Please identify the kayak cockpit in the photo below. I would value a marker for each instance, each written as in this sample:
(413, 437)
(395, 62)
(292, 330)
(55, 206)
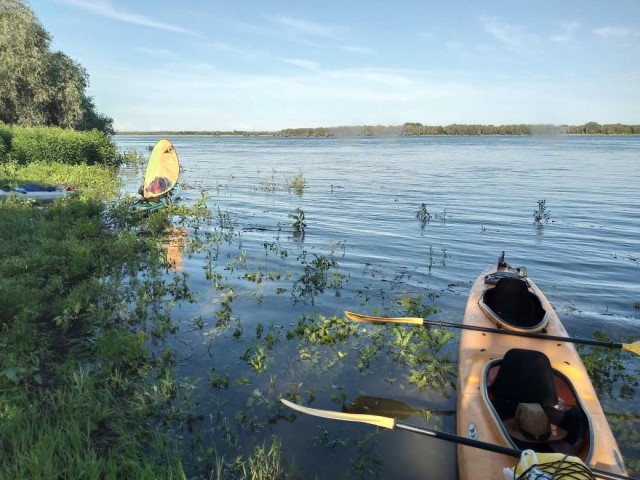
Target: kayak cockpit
(536, 407)
(512, 304)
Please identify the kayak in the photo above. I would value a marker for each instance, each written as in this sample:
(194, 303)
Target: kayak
(160, 187)
(144, 207)
(524, 393)
(37, 193)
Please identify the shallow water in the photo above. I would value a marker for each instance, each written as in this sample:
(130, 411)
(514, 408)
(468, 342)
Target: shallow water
(360, 202)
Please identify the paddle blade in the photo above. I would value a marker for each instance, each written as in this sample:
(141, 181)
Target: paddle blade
(347, 417)
(632, 347)
(356, 317)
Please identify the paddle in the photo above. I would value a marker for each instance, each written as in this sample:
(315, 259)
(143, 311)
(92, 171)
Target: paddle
(386, 407)
(630, 347)
(392, 423)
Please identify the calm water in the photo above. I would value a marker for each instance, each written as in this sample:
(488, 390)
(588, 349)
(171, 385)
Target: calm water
(360, 203)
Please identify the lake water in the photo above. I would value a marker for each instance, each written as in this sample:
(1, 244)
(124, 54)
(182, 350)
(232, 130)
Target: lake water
(253, 278)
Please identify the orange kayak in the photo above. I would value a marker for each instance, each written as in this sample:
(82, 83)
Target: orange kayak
(520, 392)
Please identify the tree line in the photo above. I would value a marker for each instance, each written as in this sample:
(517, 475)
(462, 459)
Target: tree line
(418, 129)
(38, 86)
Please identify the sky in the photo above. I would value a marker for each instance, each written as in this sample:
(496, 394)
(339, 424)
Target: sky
(268, 65)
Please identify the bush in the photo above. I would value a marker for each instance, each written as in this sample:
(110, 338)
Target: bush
(5, 139)
(57, 145)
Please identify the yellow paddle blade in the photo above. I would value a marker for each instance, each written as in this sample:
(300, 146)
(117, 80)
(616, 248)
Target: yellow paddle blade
(632, 347)
(347, 417)
(356, 317)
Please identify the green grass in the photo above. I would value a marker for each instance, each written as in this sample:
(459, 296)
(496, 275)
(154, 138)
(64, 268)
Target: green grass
(80, 394)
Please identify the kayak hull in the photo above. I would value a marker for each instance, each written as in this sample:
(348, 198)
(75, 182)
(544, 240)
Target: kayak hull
(38, 196)
(474, 412)
(145, 207)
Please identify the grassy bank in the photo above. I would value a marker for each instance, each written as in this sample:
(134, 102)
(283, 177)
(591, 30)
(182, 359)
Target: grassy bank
(81, 393)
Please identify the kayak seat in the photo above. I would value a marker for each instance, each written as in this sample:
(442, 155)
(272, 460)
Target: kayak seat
(526, 376)
(514, 304)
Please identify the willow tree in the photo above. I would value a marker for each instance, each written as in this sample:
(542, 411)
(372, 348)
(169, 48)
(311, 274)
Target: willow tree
(39, 86)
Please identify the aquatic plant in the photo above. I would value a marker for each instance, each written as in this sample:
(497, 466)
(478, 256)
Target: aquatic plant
(296, 183)
(542, 214)
(298, 225)
(423, 215)
(315, 279)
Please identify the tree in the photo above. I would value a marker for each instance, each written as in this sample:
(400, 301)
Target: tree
(38, 86)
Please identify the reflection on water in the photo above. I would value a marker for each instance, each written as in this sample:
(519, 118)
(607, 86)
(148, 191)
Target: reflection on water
(271, 271)
(173, 243)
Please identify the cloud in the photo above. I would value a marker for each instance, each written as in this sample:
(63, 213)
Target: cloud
(157, 52)
(354, 49)
(616, 32)
(305, 27)
(306, 64)
(509, 35)
(105, 9)
(566, 35)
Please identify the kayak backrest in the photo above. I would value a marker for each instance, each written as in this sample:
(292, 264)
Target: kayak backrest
(525, 376)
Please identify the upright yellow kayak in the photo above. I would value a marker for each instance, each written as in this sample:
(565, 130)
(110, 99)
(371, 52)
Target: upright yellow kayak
(524, 393)
(162, 171)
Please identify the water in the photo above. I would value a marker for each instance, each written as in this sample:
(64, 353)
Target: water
(360, 203)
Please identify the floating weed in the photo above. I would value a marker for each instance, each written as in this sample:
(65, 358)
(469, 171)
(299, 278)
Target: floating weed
(320, 330)
(297, 183)
(315, 279)
(293, 393)
(298, 224)
(218, 381)
(607, 370)
(269, 185)
(323, 438)
(423, 216)
(542, 214)
(415, 306)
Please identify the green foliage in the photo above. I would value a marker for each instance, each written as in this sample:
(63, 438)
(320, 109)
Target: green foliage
(542, 214)
(607, 370)
(320, 330)
(40, 86)
(297, 183)
(423, 215)
(298, 225)
(316, 279)
(52, 144)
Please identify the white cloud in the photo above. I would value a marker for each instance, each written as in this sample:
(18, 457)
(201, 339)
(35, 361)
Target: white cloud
(568, 30)
(105, 9)
(306, 64)
(304, 27)
(509, 35)
(157, 52)
(616, 32)
(354, 49)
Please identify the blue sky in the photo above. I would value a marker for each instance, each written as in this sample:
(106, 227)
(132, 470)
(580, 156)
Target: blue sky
(241, 65)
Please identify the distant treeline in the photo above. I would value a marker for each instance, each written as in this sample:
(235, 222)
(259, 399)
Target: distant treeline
(214, 133)
(418, 129)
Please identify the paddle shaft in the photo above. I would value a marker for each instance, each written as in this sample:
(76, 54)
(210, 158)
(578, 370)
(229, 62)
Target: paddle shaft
(512, 452)
(541, 336)
(356, 317)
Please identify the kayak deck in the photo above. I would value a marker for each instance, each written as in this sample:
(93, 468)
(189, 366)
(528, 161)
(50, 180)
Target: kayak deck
(477, 417)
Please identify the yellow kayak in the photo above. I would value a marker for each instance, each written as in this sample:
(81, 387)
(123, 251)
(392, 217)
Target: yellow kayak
(524, 393)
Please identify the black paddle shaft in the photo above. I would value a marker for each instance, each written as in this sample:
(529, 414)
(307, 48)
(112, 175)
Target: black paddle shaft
(512, 452)
(541, 336)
